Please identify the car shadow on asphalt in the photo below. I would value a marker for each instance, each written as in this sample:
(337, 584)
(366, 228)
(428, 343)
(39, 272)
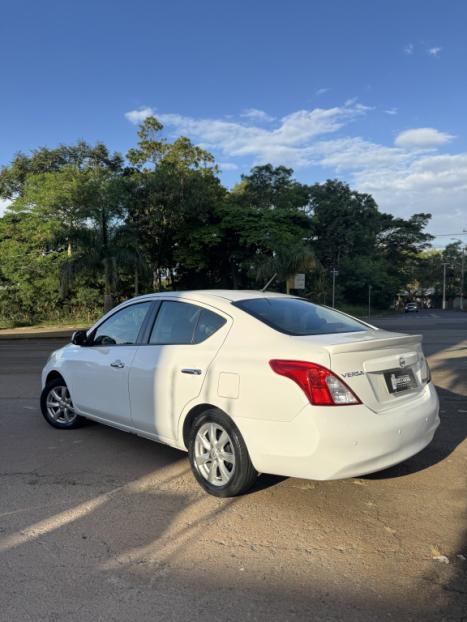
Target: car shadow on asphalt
(265, 481)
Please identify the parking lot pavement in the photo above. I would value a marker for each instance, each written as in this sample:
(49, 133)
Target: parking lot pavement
(96, 524)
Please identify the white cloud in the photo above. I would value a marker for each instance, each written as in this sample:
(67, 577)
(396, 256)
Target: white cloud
(409, 49)
(322, 91)
(392, 111)
(256, 115)
(422, 138)
(285, 144)
(431, 183)
(138, 116)
(402, 181)
(357, 154)
(404, 178)
(228, 166)
(434, 51)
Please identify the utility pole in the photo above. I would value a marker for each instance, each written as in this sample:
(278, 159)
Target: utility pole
(462, 279)
(369, 301)
(444, 285)
(461, 288)
(334, 273)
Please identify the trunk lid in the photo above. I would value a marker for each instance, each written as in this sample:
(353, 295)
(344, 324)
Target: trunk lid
(383, 368)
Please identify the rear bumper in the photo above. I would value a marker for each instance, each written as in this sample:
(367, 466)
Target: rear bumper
(325, 443)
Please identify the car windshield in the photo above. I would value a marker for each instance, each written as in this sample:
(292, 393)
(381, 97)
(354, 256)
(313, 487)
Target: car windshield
(296, 316)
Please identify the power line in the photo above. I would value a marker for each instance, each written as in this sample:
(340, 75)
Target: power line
(447, 235)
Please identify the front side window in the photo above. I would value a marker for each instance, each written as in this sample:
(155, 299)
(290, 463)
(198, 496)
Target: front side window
(123, 327)
(184, 323)
(296, 316)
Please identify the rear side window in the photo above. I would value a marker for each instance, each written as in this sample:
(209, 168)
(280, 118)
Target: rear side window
(208, 324)
(184, 323)
(296, 316)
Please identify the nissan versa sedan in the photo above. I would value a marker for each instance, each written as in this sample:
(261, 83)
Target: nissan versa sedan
(248, 382)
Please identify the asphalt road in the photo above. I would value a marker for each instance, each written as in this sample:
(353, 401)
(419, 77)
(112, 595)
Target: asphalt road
(96, 524)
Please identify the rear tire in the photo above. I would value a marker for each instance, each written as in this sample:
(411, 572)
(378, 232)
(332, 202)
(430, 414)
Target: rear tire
(57, 407)
(218, 455)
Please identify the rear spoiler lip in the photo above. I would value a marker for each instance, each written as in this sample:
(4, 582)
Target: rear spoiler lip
(374, 344)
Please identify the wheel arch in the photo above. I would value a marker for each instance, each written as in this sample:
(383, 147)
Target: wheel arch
(54, 375)
(191, 416)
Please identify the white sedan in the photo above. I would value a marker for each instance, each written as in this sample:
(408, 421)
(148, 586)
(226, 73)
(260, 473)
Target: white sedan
(248, 382)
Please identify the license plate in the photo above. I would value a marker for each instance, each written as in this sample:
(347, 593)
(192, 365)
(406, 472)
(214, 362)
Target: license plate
(400, 380)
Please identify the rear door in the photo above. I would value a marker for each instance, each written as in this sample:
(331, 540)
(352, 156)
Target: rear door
(169, 371)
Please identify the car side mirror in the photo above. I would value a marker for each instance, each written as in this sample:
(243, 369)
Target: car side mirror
(79, 338)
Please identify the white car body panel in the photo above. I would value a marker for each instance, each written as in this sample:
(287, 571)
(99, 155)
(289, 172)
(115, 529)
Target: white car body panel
(325, 443)
(97, 388)
(160, 389)
(284, 433)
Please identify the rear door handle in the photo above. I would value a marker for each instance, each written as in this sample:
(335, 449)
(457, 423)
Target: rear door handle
(193, 372)
(118, 363)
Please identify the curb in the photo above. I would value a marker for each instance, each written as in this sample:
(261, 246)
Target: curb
(37, 334)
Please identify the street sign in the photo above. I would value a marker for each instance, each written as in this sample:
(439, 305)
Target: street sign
(299, 281)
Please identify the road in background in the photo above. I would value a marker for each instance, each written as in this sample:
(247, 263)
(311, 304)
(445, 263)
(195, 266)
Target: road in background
(96, 524)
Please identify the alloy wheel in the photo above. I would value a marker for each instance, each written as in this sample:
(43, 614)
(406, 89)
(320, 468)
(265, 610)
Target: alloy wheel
(213, 454)
(59, 405)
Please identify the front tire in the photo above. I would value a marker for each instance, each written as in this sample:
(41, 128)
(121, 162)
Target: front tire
(219, 457)
(57, 407)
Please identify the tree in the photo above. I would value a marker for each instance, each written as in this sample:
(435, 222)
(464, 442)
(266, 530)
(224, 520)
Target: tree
(164, 196)
(367, 246)
(58, 196)
(29, 270)
(285, 262)
(265, 214)
(83, 225)
(344, 222)
(76, 189)
(14, 177)
(99, 252)
(400, 242)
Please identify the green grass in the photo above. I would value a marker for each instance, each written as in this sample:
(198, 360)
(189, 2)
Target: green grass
(62, 323)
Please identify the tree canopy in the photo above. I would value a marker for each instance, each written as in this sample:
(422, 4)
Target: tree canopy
(86, 228)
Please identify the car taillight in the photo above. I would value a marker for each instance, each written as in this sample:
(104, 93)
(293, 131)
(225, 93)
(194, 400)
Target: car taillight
(321, 386)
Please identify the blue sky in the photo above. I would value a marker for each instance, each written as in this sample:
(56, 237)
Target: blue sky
(373, 92)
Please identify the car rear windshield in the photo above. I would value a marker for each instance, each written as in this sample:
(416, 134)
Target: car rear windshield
(296, 316)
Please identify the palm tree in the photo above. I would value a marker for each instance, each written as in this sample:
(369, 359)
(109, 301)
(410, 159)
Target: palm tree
(285, 262)
(99, 248)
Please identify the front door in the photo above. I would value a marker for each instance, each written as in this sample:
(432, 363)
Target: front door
(169, 371)
(98, 373)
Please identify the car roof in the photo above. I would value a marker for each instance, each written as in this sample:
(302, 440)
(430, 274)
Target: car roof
(230, 295)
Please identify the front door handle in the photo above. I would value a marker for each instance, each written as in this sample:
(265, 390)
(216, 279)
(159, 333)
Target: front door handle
(193, 372)
(118, 363)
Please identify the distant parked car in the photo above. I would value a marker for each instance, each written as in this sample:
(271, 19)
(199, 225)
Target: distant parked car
(248, 382)
(411, 307)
